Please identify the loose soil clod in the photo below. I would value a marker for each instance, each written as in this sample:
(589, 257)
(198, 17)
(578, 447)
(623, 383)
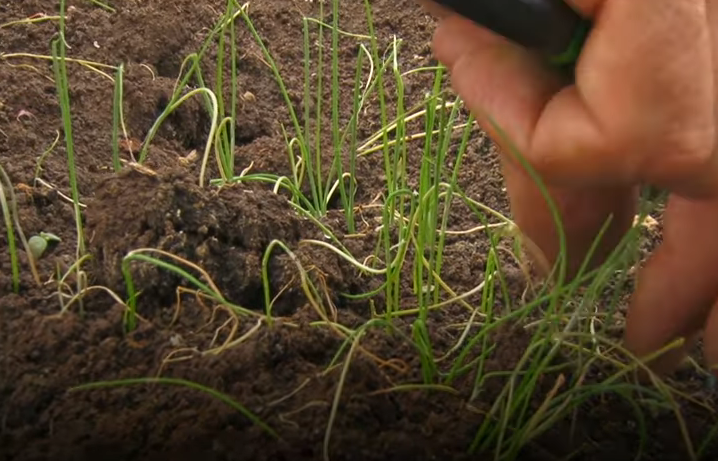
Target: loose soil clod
(225, 231)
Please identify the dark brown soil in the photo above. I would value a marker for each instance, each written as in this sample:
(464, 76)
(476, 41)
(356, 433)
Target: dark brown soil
(286, 373)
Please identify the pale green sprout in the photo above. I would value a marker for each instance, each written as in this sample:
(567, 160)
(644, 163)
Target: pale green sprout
(39, 243)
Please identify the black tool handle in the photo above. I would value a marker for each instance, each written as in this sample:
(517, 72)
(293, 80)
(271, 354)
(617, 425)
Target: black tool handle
(550, 27)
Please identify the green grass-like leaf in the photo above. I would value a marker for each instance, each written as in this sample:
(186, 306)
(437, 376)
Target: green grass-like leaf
(181, 382)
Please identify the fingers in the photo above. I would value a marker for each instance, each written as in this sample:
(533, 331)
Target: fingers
(498, 80)
(637, 90)
(679, 284)
(690, 262)
(583, 214)
(503, 83)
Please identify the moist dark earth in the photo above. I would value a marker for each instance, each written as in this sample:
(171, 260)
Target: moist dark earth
(286, 373)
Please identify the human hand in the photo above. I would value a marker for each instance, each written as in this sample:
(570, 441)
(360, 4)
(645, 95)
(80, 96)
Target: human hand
(642, 109)
(643, 86)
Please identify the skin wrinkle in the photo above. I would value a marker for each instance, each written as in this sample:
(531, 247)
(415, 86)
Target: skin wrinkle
(547, 156)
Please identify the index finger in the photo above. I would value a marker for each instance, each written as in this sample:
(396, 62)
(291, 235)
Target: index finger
(497, 79)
